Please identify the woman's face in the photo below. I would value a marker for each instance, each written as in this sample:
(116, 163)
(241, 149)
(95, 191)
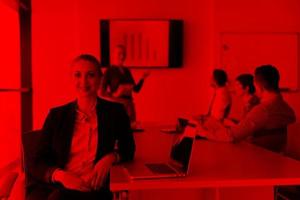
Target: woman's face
(86, 78)
(239, 90)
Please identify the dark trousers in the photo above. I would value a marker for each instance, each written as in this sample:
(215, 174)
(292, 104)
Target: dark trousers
(49, 192)
(130, 108)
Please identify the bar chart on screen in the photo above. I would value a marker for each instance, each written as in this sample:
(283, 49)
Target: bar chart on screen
(148, 43)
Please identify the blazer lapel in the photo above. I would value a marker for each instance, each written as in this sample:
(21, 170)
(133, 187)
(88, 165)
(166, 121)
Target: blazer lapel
(101, 127)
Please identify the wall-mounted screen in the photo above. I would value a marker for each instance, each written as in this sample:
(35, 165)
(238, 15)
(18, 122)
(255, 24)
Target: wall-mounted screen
(148, 43)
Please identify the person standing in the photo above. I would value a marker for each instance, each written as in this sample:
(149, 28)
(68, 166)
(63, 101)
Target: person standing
(118, 83)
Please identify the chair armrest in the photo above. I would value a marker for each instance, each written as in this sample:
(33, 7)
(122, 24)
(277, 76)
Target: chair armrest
(18, 190)
(7, 182)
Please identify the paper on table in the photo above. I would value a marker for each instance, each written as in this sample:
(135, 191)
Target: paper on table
(190, 131)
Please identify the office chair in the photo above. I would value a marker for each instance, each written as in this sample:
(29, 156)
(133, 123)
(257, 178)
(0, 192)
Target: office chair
(6, 184)
(293, 151)
(30, 142)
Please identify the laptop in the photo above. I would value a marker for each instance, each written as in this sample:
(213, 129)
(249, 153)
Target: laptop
(177, 165)
(179, 128)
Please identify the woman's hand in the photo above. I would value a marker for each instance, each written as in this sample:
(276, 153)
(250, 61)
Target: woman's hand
(125, 102)
(229, 122)
(70, 181)
(101, 171)
(123, 90)
(116, 94)
(146, 74)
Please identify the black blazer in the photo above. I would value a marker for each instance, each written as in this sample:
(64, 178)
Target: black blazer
(55, 143)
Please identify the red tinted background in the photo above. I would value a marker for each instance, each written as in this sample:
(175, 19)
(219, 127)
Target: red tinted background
(63, 29)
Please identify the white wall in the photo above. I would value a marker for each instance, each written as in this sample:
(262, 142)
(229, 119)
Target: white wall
(61, 30)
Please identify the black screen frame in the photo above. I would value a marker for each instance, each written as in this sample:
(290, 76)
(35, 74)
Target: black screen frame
(175, 59)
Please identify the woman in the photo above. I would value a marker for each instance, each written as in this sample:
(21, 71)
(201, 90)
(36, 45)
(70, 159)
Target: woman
(118, 83)
(77, 148)
(221, 100)
(245, 89)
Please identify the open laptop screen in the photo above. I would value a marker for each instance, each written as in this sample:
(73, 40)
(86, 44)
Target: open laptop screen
(181, 152)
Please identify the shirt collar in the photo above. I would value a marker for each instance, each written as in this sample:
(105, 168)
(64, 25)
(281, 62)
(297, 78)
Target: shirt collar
(82, 116)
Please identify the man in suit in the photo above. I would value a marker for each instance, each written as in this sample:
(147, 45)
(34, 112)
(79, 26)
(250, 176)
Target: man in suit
(78, 143)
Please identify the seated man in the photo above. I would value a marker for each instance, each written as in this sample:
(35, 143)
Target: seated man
(265, 125)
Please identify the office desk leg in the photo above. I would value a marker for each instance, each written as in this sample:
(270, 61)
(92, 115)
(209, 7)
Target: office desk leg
(121, 195)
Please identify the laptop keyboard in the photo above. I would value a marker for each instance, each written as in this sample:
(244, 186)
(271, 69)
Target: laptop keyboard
(160, 168)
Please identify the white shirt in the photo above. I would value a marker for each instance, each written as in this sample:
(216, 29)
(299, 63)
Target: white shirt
(84, 144)
(220, 103)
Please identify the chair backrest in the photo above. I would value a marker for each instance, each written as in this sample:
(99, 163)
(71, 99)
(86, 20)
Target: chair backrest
(30, 142)
(293, 141)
